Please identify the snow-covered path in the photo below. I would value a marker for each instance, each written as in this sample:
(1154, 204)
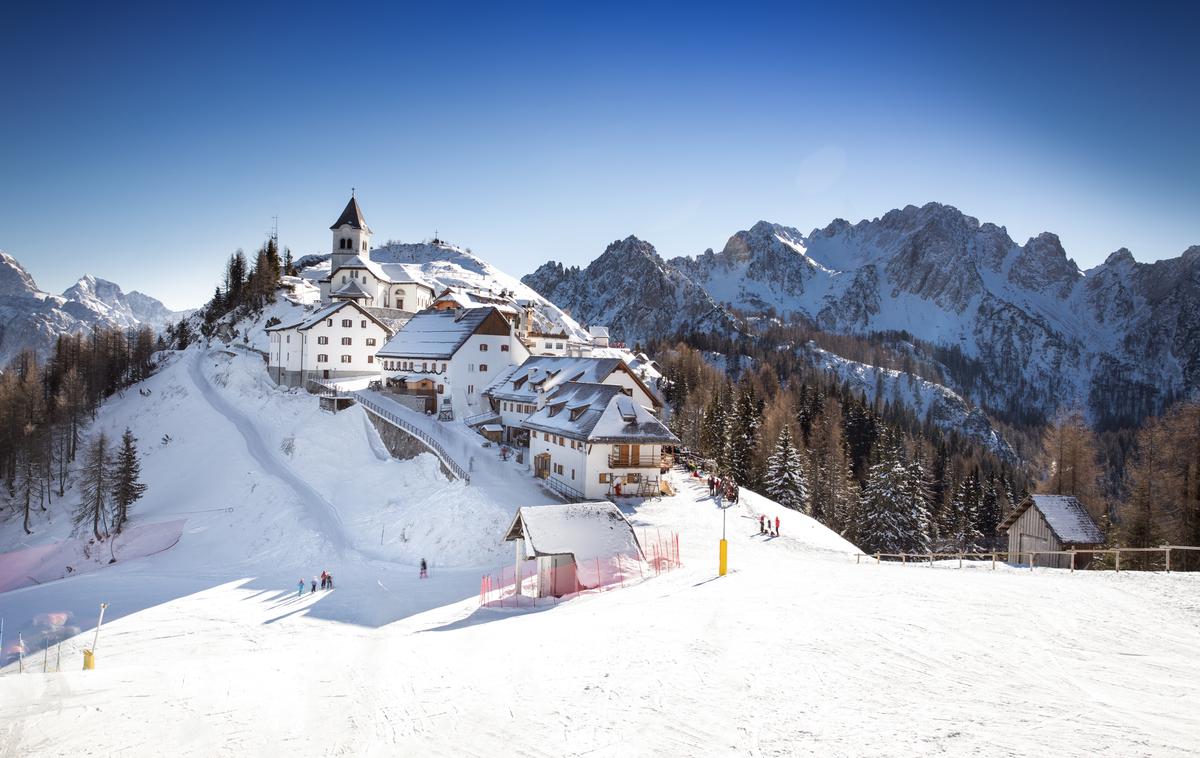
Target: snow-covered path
(504, 481)
(798, 651)
(327, 520)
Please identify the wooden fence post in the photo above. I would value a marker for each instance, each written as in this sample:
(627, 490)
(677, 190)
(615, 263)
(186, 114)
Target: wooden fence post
(930, 560)
(1168, 560)
(993, 561)
(904, 558)
(1118, 552)
(1072, 560)
(960, 559)
(877, 559)
(1032, 558)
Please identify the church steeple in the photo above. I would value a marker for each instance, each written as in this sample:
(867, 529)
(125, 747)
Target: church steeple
(351, 235)
(352, 216)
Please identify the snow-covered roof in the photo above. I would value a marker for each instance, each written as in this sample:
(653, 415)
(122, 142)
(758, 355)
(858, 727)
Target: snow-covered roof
(435, 334)
(350, 289)
(598, 331)
(392, 273)
(1066, 516)
(543, 373)
(598, 413)
(583, 530)
(310, 320)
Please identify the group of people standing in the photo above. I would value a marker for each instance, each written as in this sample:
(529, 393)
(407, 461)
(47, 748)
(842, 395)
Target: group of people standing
(326, 584)
(764, 526)
(722, 489)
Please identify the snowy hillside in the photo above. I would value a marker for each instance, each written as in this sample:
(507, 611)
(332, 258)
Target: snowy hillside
(33, 319)
(211, 651)
(944, 408)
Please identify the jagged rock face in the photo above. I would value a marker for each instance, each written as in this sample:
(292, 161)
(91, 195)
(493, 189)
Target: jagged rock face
(766, 262)
(632, 291)
(15, 281)
(1124, 335)
(31, 319)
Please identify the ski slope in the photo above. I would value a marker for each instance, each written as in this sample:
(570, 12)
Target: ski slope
(207, 649)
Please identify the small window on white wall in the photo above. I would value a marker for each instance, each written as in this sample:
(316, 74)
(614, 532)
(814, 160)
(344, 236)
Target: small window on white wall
(346, 359)
(322, 358)
(322, 340)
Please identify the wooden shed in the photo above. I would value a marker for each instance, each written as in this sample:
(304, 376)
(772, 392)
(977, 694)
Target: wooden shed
(1050, 522)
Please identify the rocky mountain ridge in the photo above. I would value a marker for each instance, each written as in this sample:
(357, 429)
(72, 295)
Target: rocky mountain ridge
(1120, 339)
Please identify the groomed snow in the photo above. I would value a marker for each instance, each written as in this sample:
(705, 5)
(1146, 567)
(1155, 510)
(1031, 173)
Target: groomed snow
(207, 650)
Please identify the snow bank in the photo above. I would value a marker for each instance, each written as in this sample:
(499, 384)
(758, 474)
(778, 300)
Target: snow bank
(55, 560)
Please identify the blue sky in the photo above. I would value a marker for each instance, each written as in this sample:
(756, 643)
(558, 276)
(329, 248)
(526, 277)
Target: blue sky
(145, 144)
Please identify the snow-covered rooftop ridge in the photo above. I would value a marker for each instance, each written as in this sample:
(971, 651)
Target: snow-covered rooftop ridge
(435, 334)
(591, 412)
(545, 372)
(583, 530)
(1069, 519)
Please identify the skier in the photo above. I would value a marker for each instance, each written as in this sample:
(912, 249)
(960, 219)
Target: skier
(762, 527)
(323, 575)
(776, 526)
(329, 580)
(314, 586)
(711, 486)
(300, 588)
(424, 570)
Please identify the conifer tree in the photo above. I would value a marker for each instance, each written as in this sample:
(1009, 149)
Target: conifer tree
(965, 535)
(785, 473)
(126, 485)
(916, 508)
(95, 487)
(881, 523)
(712, 427)
(743, 437)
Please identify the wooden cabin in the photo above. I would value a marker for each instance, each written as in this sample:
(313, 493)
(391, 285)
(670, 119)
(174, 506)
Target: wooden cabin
(1051, 522)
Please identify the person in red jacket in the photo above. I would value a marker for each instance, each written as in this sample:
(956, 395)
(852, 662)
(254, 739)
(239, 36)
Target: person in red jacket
(776, 526)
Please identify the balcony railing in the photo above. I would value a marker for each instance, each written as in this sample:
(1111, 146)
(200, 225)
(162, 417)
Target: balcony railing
(616, 460)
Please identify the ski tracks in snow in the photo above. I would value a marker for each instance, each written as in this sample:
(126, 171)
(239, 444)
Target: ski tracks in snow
(324, 514)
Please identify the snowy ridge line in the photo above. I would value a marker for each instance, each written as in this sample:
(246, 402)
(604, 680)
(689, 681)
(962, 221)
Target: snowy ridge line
(434, 446)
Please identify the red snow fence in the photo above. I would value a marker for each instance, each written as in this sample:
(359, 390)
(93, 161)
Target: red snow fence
(546, 580)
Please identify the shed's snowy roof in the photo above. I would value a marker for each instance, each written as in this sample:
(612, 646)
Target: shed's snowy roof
(1066, 516)
(598, 413)
(434, 334)
(584, 530)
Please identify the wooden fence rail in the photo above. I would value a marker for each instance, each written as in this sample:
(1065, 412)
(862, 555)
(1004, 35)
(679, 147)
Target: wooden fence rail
(1032, 554)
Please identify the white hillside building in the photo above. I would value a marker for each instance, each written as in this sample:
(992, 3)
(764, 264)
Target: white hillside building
(454, 353)
(593, 441)
(520, 391)
(393, 290)
(336, 342)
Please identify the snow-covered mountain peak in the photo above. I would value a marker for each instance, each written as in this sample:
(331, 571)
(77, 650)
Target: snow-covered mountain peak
(15, 281)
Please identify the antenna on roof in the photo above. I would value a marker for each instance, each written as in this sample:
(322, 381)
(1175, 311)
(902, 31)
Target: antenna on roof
(351, 192)
(275, 229)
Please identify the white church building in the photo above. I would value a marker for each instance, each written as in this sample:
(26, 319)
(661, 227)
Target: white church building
(392, 290)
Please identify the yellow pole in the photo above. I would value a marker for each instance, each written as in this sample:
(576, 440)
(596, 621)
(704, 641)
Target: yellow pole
(724, 557)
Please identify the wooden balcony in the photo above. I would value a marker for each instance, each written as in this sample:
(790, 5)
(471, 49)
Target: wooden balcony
(616, 460)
